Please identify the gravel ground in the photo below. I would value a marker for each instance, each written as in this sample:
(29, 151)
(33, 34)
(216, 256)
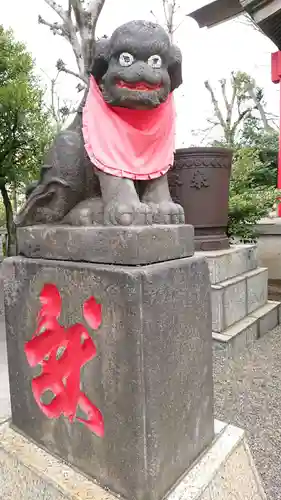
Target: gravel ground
(248, 394)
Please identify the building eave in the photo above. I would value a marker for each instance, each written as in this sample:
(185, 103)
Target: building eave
(216, 12)
(265, 13)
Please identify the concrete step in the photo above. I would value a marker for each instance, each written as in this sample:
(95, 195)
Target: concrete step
(241, 335)
(226, 264)
(236, 298)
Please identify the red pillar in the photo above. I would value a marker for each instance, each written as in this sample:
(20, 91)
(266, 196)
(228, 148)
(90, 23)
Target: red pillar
(276, 78)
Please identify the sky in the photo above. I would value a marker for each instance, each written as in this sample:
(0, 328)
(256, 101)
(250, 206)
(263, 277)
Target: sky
(207, 53)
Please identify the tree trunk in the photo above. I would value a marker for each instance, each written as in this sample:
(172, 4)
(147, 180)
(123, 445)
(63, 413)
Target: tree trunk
(77, 26)
(11, 228)
(15, 197)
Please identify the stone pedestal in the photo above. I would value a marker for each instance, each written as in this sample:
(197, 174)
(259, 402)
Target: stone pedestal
(269, 252)
(151, 378)
(241, 311)
(224, 471)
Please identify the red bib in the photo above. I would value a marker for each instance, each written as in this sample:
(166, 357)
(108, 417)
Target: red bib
(136, 144)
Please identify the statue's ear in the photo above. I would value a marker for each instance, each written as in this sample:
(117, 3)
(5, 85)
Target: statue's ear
(100, 61)
(175, 67)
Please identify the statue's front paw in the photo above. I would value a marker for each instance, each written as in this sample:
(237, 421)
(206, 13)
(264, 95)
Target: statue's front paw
(167, 212)
(129, 214)
(86, 213)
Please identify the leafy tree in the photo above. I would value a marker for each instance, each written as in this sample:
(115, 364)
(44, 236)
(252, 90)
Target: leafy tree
(25, 127)
(248, 200)
(253, 183)
(266, 144)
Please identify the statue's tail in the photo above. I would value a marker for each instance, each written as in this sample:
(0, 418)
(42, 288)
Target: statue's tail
(46, 203)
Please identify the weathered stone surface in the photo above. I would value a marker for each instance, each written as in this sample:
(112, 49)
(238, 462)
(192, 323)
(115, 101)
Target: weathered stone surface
(5, 410)
(229, 303)
(234, 299)
(269, 247)
(256, 289)
(267, 317)
(240, 309)
(270, 226)
(218, 320)
(151, 379)
(107, 245)
(232, 262)
(224, 471)
(30, 473)
(240, 336)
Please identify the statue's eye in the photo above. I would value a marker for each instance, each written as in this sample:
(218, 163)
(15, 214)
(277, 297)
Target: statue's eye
(126, 59)
(155, 62)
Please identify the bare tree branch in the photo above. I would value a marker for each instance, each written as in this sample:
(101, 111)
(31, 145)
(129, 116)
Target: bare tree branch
(69, 8)
(56, 28)
(178, 26)
(164, 3)
(208, 132)
(57, 8)
(231, 111)
(77, 49)
(53, 105)
(78, 12)
(223, 90)
(170, 7)
(241, 116)
(247, 20)
(63, 69)
(70, 33)
(215, 104)
(213, 122)
(234, 92)
(78, 27)
(155, 17)
(76, 75)
(95, 9)
(259, 107)
(204, 133)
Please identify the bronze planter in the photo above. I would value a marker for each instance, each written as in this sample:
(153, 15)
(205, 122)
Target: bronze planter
(199, 181)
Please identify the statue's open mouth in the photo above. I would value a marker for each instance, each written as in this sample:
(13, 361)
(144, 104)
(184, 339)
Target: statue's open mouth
(138, 86)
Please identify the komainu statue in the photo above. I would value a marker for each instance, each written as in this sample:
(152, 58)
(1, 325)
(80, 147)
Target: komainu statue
(110, 166)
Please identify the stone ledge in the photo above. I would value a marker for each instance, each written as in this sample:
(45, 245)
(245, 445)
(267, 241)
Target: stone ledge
(236, 298)
(135, 245)
(28, 472)
(226, 467)
(235, 339)
(229, 263)
(269, 226)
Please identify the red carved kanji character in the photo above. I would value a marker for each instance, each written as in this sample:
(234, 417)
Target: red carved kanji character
(61, 373)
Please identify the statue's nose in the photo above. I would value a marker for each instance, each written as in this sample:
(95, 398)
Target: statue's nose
(141, 71)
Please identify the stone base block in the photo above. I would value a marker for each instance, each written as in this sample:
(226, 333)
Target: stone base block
(225, 470)
(210, 242)
(235, 339)
(226, 264)
(132, 245)
(151, 377)
(269, 246)
(234, 299)
(240, 310)
(274, 289)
